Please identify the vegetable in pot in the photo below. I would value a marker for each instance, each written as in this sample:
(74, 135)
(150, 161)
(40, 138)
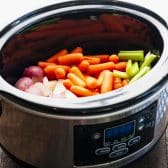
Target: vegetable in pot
(24, 83)
(73, 74)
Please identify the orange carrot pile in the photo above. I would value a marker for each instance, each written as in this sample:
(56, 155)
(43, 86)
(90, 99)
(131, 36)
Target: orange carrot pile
(85, 75)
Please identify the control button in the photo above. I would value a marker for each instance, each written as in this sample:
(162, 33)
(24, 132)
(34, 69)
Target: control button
(118, 153)
(141, 120)
(150, 124)
(134, 141)
(102, 151)
(97, 136)
(141, 127)
(119, 146)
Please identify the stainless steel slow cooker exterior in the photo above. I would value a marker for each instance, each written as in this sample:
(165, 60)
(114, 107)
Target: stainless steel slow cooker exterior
(35, 135)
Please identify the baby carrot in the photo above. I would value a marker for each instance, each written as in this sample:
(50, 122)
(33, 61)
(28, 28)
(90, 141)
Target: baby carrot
(83, 66)
(68, 59)
(103, 57)
(91, 82)
(67, 83)
(52, 67)
(114, 58)
(77, 72)
(50, 72)
(93, 69)
(117, 85)
(80, 91)
(107, 84)
(77, 50)
(125, 82)
(92, 60)
(75, 79)
(117, 80)
(121, 66)
(100, 78)
(60, 73)
(43, 64)
(55, 56)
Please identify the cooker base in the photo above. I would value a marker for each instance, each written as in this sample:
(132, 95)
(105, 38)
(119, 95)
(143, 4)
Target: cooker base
(26, 165)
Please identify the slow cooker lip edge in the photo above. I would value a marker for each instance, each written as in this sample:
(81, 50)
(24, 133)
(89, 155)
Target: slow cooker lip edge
(69, 3)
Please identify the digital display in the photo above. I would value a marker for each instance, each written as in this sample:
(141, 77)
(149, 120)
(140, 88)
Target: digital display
(119, 133)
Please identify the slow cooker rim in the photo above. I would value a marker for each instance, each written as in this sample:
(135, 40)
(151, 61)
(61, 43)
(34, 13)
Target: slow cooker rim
(75, 2)
(31, 106)
(68, 3)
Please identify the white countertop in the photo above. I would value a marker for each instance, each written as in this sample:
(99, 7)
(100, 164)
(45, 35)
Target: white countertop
(13, 9)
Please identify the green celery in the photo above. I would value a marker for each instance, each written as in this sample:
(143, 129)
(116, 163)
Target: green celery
(132, 69)
(135, 68)
(131, 51)
(133, 55)
(140, 74)
(120, 74)
(129, 68)
(149, 58)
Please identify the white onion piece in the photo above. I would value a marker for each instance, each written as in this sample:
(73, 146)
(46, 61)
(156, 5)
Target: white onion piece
(59, 88)
(49, 84)
(39, 89)
(61, 92)
(69, 94)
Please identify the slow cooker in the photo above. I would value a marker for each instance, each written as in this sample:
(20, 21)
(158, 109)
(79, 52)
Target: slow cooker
(108, 130)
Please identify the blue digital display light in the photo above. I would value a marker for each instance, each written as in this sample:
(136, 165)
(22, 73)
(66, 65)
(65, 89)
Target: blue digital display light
(119, 133)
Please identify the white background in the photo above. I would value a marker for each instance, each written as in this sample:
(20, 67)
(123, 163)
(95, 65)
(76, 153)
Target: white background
(13, 9)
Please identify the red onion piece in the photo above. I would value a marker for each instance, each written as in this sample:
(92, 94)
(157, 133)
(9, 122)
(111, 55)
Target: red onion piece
(33, 72)
(24, 83)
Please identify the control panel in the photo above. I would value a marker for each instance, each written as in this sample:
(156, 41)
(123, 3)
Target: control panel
(102, 143)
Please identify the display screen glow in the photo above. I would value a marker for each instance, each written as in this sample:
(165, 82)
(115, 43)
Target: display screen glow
(119, 133)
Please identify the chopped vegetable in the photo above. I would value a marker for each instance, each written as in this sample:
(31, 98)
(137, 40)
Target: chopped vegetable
(77, 50)
(93, 69)
(76, 80)
(24, 83)
(72, 74)
(68, 59)
(140, 74)
(114, 58)
(77, 72)
(33, 71)
(132, 69)
(81, 91)
(107, 84)
(149, 58)
(120, 74)
(91, 82)
(133, 55)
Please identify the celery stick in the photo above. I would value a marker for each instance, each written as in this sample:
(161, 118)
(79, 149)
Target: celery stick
(132, 69)
(149, 58)
(120, 74)
(140, 74)
(129, 68)
(135, 68)
(134, 56)
(131, 51)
